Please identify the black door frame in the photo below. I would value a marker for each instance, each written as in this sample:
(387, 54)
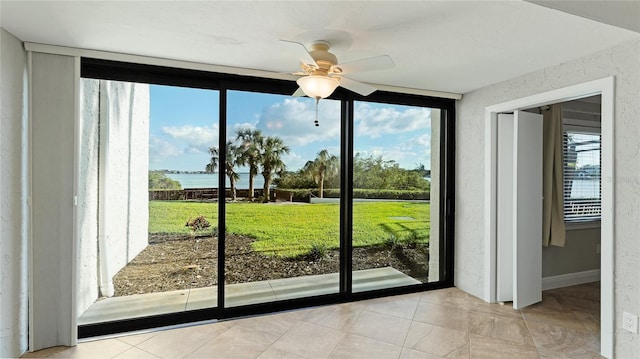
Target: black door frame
(150, 74)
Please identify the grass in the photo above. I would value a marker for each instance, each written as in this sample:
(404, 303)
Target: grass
(293, 229)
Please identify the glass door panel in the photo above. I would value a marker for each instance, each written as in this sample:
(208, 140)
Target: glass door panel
(153, 249)
(282, 198)
(395, 174)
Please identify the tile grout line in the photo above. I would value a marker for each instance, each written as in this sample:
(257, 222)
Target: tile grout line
(287, 331)
(404, 342)
(208, 341)
(533, 339)
(136, 347)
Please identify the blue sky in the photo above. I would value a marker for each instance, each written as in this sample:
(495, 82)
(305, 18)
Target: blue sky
(184, 123)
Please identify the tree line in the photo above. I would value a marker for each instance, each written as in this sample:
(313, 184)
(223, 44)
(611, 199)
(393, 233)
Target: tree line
(263, 155)
(369, 172)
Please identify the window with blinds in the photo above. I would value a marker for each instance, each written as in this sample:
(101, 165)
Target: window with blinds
(581, 176)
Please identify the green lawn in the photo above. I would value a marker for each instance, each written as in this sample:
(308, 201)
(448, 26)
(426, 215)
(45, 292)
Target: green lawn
(292, 229)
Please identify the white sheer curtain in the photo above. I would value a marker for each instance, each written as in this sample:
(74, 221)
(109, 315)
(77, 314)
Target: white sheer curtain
(553, 230)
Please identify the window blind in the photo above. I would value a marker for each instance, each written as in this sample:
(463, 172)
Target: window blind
(581, 176)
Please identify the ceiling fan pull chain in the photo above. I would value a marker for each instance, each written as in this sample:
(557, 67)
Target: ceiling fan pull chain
(316, 121)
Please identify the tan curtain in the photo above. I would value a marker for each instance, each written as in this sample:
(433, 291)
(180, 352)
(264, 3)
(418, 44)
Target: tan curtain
(553, 231)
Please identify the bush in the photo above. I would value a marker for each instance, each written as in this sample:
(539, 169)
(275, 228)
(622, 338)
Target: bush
(392, 241)
(318, 251)
(158, 180)
(412, 240)
(198, 224)
(296, 180)
(381, 194)
(376, 172)
(302, 195)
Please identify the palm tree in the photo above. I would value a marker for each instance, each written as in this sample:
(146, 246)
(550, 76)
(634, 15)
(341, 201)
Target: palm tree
(213, 160)
(231, 160)
(323, 166)
(272, 149)
(249, 152)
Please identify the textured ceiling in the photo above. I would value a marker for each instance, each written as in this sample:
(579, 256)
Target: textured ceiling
(452, 46)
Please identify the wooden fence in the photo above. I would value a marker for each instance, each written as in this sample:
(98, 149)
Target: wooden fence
(200, 194)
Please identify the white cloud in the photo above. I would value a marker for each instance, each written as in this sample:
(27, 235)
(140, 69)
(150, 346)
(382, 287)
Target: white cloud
(423, 141)
(239, 126)
(294, 161)
(159, 148)
(376, 121)
(293, 121)
(196, 150)
(194, 136)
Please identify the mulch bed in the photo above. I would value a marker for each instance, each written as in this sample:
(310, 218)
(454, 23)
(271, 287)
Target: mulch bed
(172, 262)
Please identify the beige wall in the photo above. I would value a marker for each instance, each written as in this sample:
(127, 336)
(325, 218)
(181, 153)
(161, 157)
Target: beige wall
(580, 254)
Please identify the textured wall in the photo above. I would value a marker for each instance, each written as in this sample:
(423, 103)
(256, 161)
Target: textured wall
(124, 108)
(13, 197)
(121, 110)
(621, 61)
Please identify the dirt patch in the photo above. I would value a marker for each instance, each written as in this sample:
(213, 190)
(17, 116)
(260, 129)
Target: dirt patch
(172, 262)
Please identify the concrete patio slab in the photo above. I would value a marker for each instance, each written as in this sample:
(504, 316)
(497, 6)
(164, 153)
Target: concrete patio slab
(306, 286)
(141, 305)
(134, 306)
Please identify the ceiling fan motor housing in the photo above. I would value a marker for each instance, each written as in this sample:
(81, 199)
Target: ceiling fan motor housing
(324, 59)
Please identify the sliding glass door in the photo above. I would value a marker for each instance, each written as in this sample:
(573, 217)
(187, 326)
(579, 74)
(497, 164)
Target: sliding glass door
(207, 196)
(149, 182)
(395, 176)
(282, 198)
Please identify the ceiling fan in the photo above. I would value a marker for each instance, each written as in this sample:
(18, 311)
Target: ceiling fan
(322, 73)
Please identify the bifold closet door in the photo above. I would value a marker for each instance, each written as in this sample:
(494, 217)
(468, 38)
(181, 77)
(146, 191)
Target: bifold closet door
(519, 267)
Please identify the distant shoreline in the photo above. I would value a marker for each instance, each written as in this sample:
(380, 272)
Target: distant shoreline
(191, 172)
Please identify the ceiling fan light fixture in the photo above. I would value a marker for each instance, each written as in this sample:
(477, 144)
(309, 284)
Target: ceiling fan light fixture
(317, 86)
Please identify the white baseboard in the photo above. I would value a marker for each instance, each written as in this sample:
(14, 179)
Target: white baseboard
(567, 280)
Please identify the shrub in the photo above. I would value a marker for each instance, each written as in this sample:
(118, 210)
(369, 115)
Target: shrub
(318, 251)
(297, 180)
(380, 194)
(390, 194)
(302, 195)
(412, 240)
(198, 224)
(392, 241)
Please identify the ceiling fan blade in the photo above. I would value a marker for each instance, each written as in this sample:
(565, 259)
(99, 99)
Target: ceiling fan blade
(299, 93)
(302, 53)
(371, 64)
(356, 86)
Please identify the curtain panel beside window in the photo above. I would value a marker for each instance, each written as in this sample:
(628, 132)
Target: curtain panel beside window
(553, 227)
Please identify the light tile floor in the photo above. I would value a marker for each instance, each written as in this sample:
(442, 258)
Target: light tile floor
(445, 323)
